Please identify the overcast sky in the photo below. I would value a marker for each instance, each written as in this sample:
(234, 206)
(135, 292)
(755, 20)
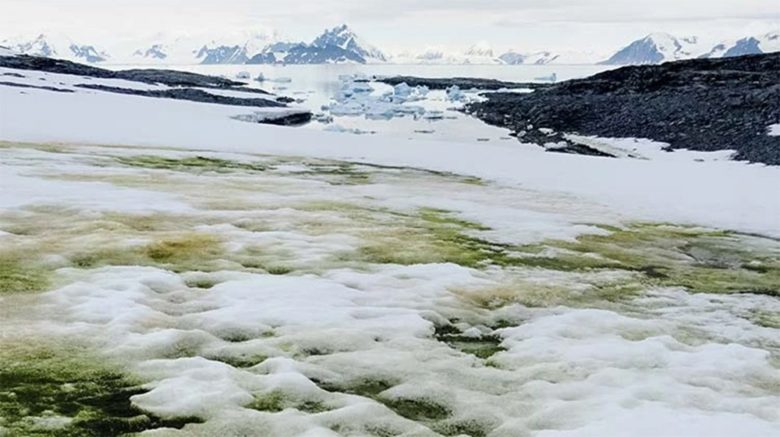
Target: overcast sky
(403, 24)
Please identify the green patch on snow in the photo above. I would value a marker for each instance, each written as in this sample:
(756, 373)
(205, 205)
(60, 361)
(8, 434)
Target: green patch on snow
(272, 402)
(20, 275)
(445, 218)
(660, 255)
(276, 401)
(431, 236)
(338, 173)
(197, 164)
(178, 252)
(483, 346)
(239, 360)
(417, 409)
(471, 428)
(424, 410)
(202, 283)
(65, 391)
(766, 319)
(183, 249)
(699, 260)
(366, 387)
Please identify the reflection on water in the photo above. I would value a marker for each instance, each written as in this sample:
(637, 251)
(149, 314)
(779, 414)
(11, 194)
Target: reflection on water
(315, 85)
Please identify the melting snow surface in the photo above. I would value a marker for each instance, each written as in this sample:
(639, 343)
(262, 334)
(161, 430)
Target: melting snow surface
(209, 341)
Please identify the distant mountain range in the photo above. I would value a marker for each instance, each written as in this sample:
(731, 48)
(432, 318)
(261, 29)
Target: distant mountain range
(662, 47)
(64, 48)
(341, 45)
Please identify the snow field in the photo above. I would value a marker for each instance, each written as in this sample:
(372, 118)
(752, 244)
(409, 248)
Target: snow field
(257, 293)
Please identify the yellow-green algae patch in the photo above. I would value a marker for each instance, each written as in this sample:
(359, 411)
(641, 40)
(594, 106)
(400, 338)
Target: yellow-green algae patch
(660, 255)
(21, 275)
(191, 164)
(431, 236)
(178, 252)
(65, 390)
(276, 401)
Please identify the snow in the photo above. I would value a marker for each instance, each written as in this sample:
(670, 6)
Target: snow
(774, 130)
(664, 362)
(5, 51)
(721, 194)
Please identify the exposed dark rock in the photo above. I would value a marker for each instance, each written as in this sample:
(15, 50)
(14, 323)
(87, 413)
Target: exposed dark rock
(47, 88)
(189, 94)
(294, 119)
(165, 77)
(465, 83)
(184, 85)
(702, 104)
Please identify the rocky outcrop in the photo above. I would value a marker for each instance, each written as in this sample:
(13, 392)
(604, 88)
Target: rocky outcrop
(181, 86)
(465, 83)
(702, 104)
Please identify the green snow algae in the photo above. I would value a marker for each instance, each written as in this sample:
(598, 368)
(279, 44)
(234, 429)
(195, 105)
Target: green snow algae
(64, 391)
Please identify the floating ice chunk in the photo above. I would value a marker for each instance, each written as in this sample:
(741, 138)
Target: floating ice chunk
(346, 109)
(243, 75)
(402, 90)
(260, 77)
(281, 80)
(381, 110)
(342, 129)
(551, 78)
(454, 94)
(409, 110)
(323, 118)
(357, 77)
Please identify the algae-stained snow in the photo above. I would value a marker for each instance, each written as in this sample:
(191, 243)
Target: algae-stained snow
(203, 293)
(168, 270)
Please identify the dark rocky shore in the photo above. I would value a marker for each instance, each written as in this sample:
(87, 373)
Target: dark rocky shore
(703, 104)
(184, 86)
(461, 82)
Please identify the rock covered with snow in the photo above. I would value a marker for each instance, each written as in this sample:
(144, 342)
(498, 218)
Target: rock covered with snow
(654, 49)
(663, 47)
(57, 46)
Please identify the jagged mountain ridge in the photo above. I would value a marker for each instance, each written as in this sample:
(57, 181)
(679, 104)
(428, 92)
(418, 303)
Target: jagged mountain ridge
(57, 46)
(341, 45)
(337, 45)
(661, 47)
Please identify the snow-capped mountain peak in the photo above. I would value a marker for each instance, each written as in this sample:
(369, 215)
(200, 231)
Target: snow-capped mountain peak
(337, 45)
(656, 48)
(344, 38)
(56, 46)
(40, 46)
(481, 48)
(767, 43)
